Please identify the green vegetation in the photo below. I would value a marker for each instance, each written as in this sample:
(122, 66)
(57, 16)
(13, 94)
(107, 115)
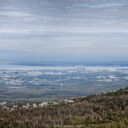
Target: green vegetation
(108, 110)
(23, 86)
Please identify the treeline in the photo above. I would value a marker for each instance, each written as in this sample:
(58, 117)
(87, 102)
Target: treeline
(97, 111)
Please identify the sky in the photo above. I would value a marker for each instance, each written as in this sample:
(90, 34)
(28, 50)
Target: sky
(32, 30)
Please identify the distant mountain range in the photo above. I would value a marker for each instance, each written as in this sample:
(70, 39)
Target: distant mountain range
(74, 63)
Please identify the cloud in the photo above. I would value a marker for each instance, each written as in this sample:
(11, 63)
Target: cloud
(48, 30)
(107, 5)
(14, 14)
(3, 0)
(50, 27)
(14, 31)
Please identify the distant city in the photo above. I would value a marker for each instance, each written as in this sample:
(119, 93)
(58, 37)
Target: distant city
(35, 84)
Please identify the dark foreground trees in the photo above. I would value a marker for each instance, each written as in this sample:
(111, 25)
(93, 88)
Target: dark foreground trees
(97, 111)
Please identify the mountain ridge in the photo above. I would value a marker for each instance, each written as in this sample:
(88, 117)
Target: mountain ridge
(108, 110)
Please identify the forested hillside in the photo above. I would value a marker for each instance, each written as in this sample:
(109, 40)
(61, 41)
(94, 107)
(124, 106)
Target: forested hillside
(108, 110)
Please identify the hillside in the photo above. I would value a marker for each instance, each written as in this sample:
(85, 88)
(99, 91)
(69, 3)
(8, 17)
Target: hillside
(108, 110)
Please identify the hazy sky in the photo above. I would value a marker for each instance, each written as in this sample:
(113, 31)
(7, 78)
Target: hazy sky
(37, 28)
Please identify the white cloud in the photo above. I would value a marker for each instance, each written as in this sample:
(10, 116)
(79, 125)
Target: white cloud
(50, 27)
(14, 14)
(96, 6)
(14, 31)
(57, 30)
